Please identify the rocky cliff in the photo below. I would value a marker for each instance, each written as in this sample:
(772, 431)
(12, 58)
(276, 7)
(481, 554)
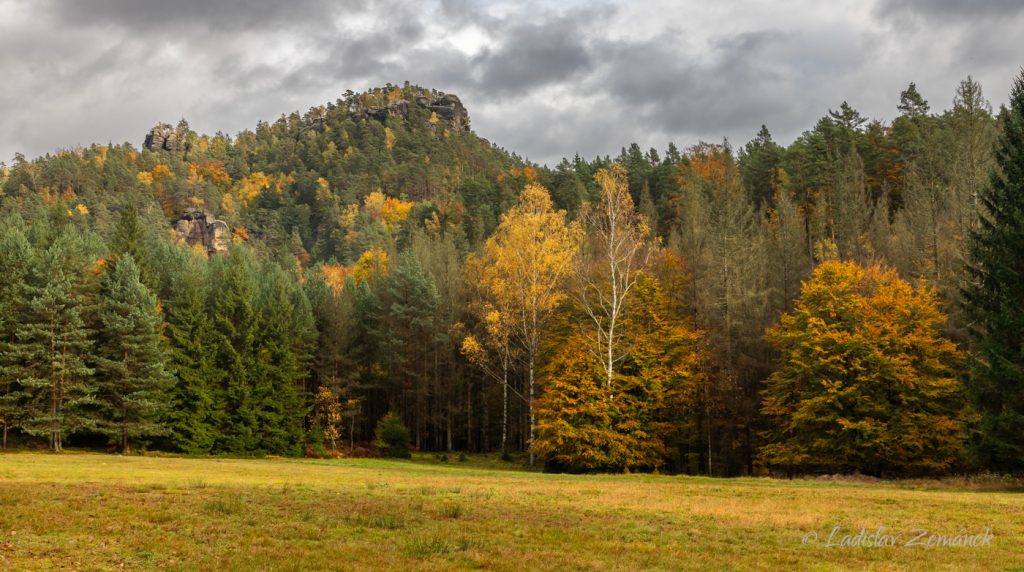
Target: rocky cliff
(446, 107)
(436, 108)
(198, 227)
(164, 137)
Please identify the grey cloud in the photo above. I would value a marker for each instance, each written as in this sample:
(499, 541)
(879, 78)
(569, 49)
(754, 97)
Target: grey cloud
(950, 10)
(549, 81)
(736, 86)
(217, 16)
(536, 54)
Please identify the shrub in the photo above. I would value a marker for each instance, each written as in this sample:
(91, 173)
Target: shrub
(392, 436)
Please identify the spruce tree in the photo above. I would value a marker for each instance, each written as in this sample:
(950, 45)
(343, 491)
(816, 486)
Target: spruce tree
(15, 262)
(236, 331)
(193, 417)
(132, 379)
(286, 337)
(995, 299)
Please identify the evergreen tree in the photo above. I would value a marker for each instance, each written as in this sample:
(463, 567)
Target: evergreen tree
(132, 379)
(15, 263)
(193, 419)
(236, 331)
(411, 338)
(995, 299)
(759, 162)
(284, 354)
(52, 344)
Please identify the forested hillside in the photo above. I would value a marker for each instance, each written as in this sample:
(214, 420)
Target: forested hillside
(849, 302)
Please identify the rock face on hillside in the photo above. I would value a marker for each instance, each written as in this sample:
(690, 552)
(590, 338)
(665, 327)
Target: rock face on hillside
(196, 226)
(446, 106)
(164, 137)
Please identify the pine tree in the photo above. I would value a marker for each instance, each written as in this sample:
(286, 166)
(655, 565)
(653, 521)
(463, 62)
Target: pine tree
(995, 299)
(411, 332)
(759, 162)
(132, 379)
(52, 344)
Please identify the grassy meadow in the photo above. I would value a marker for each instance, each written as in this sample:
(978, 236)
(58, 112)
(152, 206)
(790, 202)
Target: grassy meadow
(79, 511)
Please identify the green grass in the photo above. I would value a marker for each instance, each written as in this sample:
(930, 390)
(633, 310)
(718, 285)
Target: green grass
(102, 512)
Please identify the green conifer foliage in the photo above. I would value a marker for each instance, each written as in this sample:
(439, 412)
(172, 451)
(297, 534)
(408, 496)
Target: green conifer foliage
(132, 380)
(995, 299)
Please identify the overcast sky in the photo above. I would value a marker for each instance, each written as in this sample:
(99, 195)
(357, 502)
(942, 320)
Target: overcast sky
(543, 79)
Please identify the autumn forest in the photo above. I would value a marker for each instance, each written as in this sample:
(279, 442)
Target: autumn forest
(370, 278)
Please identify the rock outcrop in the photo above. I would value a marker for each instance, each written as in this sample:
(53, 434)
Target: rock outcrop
(448, 108)
(196, 226)
(164, 137)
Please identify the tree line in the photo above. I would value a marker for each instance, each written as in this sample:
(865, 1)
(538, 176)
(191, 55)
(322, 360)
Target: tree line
(850, 302)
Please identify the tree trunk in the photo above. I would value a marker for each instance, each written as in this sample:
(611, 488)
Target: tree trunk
(504, 413)
(450, 425)
(611, 337)
(469, 416)
(485, 422)
(529, 444)
(54, 441)
(707, 413)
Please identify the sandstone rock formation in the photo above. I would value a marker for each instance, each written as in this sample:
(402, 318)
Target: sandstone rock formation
(164, 137)
(196, 226)
(447, 106)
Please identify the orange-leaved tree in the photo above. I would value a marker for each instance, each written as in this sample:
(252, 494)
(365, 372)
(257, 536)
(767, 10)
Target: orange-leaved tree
(585, 425)
(866, 382)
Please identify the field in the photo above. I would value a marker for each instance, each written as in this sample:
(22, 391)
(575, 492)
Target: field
(97, 512)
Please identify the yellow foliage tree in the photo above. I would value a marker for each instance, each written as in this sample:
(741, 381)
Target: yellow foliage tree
(493, 346)
(389, 138)
(614, 252)
(583, 426)
(335, 275)
(328, 410)
(372, 265)
(250, 187)
(387, 210)
(159, 180)
(525, 264)
(866, 382)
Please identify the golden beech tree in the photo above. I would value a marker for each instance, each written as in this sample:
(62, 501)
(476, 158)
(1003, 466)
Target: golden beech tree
(866, 383)
(525, 263)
